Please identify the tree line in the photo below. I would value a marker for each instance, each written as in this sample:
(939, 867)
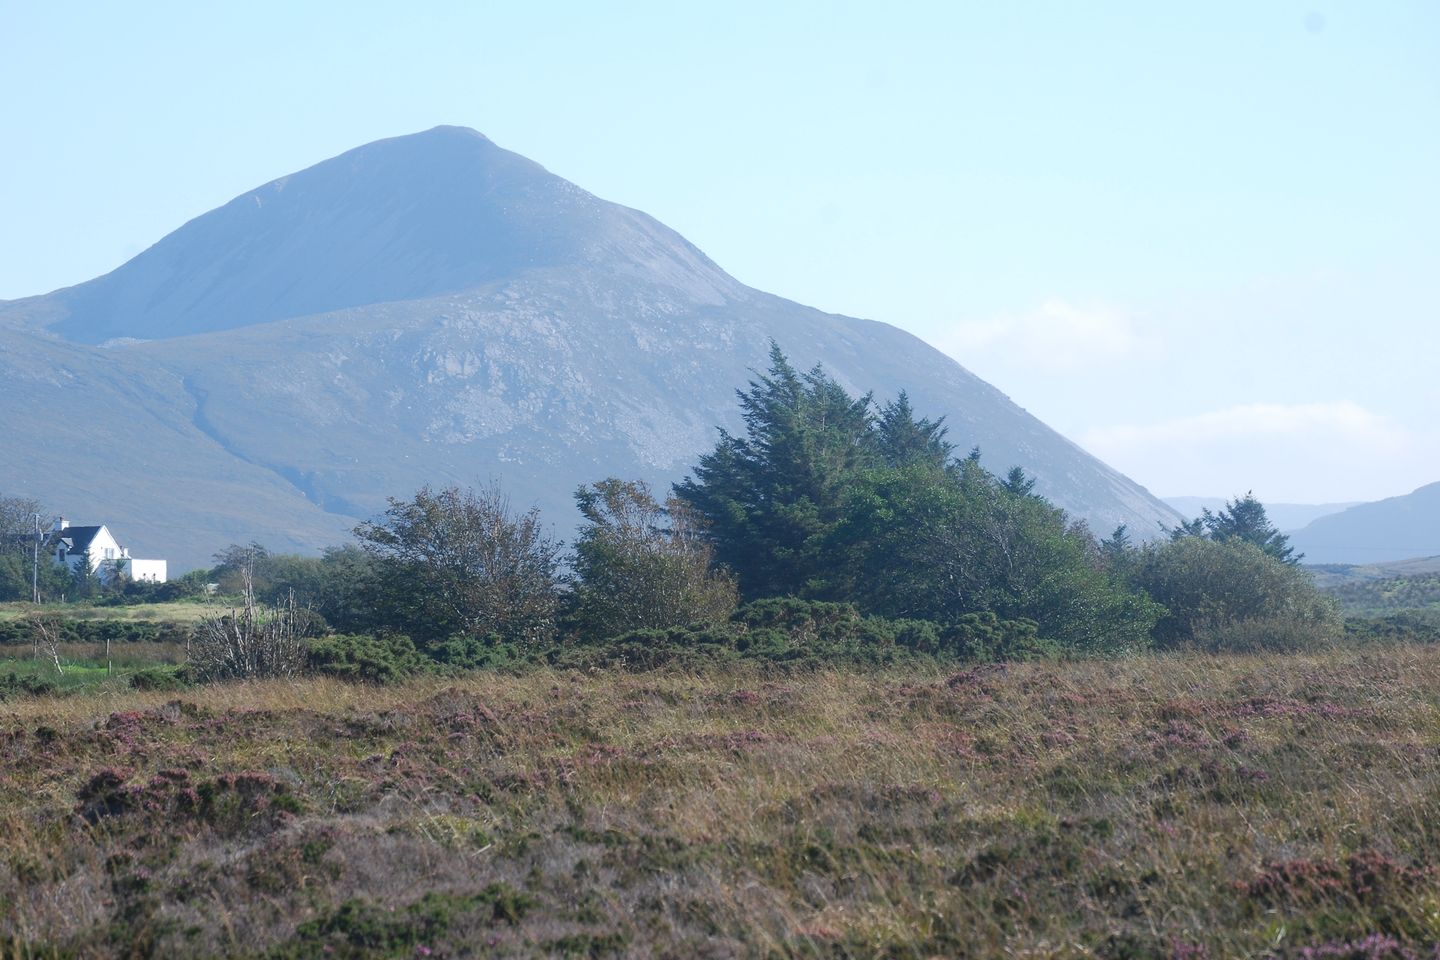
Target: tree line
(828, 512)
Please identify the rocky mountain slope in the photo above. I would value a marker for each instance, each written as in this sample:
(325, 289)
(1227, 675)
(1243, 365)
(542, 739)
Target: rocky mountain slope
(430, 309)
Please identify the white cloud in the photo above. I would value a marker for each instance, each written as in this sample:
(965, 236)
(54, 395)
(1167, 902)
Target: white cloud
(1309, 452)
(1336, 421)
(1057, 335)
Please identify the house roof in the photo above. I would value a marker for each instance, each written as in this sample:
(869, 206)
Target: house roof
(80, 537)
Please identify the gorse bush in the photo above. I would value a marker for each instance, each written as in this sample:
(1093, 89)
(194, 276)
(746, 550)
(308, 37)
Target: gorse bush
(158, 678)
(383, 658)
(14, 685)
(805, 633)
(74, 630)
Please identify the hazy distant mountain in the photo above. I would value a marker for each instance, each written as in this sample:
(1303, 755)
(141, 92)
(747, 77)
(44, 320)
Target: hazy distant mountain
(430, 308)
(1285, 516)
(1395, 529)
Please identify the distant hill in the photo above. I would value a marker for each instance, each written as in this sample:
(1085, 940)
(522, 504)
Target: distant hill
(1329, 576)
(1415, 592)
(1395, 529)
(1285, 516)
(431, 309)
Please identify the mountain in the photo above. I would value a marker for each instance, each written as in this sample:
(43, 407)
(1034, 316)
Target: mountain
(1398, 528)
(1285, 516)
(431, 309)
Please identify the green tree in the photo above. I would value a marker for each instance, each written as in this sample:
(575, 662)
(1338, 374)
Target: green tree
(902, 440)
(772, 498)
(242, 566)
(1118, 551)
(459, 563)
(1217, 591)
(1017, 484)
(942, 544)
(84, 585)
(643, 565)
(1244, 519)
(18, 554)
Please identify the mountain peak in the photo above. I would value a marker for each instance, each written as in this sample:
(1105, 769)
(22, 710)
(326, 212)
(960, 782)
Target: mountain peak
(450, 130)
(421, 215)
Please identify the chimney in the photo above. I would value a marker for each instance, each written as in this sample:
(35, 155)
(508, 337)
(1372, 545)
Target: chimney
(60, 524)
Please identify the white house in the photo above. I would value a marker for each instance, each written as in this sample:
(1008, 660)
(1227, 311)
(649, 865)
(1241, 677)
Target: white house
(107, 556)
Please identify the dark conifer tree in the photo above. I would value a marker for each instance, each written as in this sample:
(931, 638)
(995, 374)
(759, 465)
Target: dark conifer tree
(904, 440)
(771, 497)
(1017, 483)
(1244, 519)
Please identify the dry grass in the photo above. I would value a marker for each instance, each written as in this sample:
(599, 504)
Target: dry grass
(172, 612)
(1156, 807)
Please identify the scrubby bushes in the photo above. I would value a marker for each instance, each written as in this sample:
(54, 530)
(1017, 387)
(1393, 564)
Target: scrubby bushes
(72, 630)
(1403, 626)
(640, 564)
(251, 642)
(385, 658)
(460, 562)
(1232, 595)
(805, 633)
(159, 678)
(14, 685)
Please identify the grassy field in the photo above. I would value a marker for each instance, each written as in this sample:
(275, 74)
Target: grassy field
(1182, 807)
(87, 668)
(176, 612)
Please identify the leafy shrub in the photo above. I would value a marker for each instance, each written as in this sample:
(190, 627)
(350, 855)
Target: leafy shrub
(461, 561)
(461, 653)
(1232, 595)
(74, 630)
(1277, 634)
(1405, 626)
(13, 685)
(158, 678)
(383, 658)
(812, 632)
(642, 564)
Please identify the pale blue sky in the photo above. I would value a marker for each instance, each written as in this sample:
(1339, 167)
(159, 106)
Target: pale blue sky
(1201, 240)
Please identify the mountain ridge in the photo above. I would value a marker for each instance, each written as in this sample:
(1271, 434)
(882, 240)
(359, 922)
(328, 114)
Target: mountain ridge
(1384, 531)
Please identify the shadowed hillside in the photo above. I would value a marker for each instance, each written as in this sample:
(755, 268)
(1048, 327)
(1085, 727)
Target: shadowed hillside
(1398, 528)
